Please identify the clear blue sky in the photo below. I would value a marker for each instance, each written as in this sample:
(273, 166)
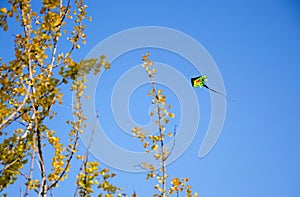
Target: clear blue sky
(256, 46)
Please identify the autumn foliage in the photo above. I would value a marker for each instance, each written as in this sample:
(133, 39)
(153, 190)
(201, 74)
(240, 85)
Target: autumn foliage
(31, 85)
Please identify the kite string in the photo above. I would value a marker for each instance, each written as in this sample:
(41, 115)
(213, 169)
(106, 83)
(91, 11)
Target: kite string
(227, 98)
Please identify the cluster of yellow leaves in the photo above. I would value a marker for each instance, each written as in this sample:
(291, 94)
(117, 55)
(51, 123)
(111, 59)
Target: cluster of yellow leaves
(106, 186)
(31, 85)
(151, 169)
(91, 176)
(87, 178)
(151, 142)
(156, 143)
(12, 153)
(180, 185)
(3, 17)
(51, 4)
(33, 184)
(58, 164)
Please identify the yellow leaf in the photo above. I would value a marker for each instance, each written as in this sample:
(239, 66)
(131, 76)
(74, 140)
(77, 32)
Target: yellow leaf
(145, 144)
(134, 195)
(107, 65)
(171, 115)
(175, 182)
(3, 10)
(156, 156)
(80, 157)
(154, 147)
(185, 179)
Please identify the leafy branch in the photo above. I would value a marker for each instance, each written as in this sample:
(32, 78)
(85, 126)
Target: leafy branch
(157, 143)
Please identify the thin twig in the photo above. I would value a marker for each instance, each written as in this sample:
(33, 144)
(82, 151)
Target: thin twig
(83, 165)
(173, 145)
(20, 191)
(33, 157)
(27, 178)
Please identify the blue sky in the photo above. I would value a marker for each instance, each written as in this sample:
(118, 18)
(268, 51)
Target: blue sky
(256, 46)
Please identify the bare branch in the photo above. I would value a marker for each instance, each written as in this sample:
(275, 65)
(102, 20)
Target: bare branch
(172, 148)
(20, 191)
(33, 158)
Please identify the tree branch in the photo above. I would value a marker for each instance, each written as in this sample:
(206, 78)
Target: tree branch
(33, 157)
(83, 165)
(13, 115)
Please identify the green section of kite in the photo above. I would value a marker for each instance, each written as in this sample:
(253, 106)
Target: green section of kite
(199, 81)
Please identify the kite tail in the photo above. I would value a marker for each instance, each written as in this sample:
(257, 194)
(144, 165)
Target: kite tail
(204, 85)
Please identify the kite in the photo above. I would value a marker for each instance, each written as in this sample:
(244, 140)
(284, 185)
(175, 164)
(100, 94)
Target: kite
(200, 81)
